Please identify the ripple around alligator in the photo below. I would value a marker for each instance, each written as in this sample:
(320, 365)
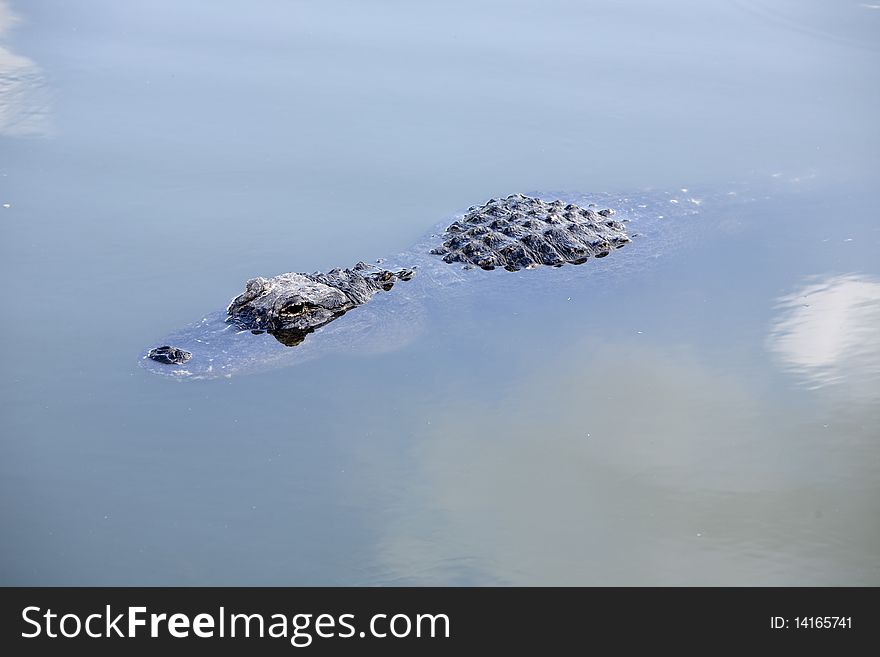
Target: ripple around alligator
(661, 223)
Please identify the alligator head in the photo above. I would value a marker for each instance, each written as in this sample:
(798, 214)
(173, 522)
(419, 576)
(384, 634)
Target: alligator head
(290, 306)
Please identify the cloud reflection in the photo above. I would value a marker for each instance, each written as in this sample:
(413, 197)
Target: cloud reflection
(24, 98)
(628, 462)
(828, 333)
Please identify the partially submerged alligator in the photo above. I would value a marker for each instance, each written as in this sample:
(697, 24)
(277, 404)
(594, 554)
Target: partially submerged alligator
(514, 233)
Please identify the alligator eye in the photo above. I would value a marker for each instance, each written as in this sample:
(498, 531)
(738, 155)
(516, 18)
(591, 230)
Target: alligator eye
(294, 309)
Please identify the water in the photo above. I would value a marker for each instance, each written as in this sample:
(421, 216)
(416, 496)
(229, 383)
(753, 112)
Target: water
(704, 415)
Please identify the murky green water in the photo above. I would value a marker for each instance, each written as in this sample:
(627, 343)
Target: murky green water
(702, 407)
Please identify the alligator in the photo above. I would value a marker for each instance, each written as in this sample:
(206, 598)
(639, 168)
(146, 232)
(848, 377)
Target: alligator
(514, 233)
